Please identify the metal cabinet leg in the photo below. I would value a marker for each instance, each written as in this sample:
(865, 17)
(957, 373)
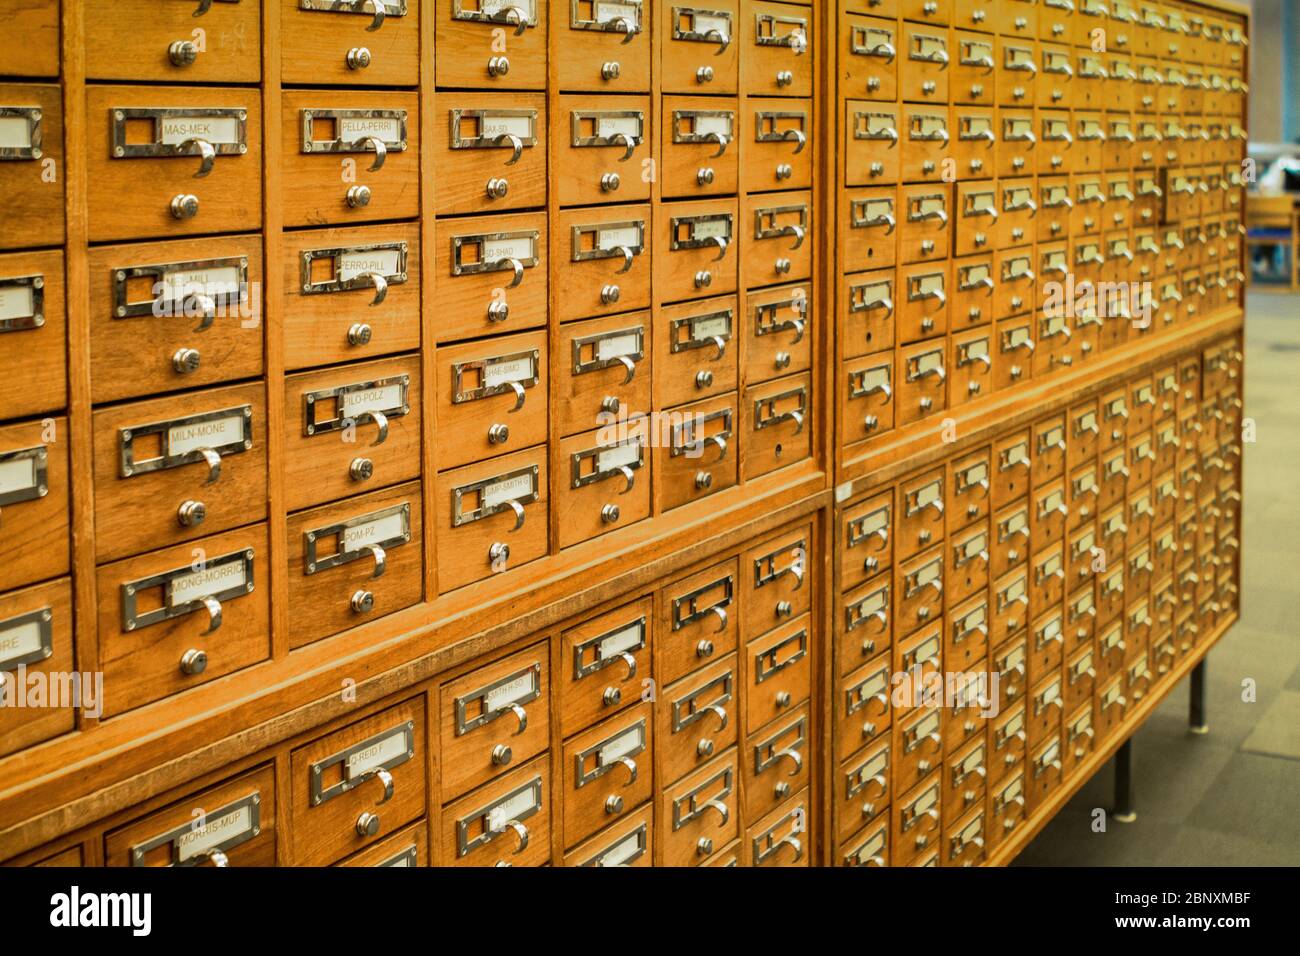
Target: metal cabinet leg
(1196, 721)
(1124, 810)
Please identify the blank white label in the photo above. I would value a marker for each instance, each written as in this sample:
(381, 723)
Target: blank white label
(711, 228)
(622, 745)
(217, 130)
(211, 580)
(186, 437)
(705, 124)
(629, 126)
(500, 373)
(607, 459)
(509, 489)
(703, 23)
(620, 642)
(377, 755)
(385, 398)
(611, 11)
(385, 128)
(17, 302)
(18, 474)
(622, 851)
(214, 832)
(613, 346)
(19, 640)
(388, 528)
(509, 693)
(15, 132)
(386, 262)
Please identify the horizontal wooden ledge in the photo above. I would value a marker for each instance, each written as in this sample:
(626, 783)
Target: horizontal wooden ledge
(916, 446)
(115, 764)
(1011, 847)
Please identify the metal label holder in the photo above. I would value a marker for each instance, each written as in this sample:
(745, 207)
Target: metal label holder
(313, 562)
(130, 465)
(133, 620)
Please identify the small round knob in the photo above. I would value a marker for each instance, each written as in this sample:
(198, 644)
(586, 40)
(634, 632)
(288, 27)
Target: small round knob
(782, 789)
(783, 266)
(783, 699)
(784, 608)
(784, 170)
(609, 294)
(358, 197)
(704, 176)
(182, 53)
(359, 334)
(703, 279)
(705, 747)
(703, 378)
(704, 648)
(502, 755)
(704, 74)
(703, 480)
(185, 361)
(609, 514)
(498, 66)
(613, 804)
(499, 552)
(704, 846)
(609, 71)
(497, 187)
(368, 824)
(498, 434)
(191, 514)
(363, 602)
(609, 182)
(498, 311)
(185, 206)
(194, 662)
(782, 360)
(784, 78)
(358, 58)
(361, 469)
(611, 404)
(612, 697)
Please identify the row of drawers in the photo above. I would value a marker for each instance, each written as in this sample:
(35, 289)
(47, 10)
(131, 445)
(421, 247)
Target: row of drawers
(1086, 639)
(922, 64)
(351, 43)
(1190, 32)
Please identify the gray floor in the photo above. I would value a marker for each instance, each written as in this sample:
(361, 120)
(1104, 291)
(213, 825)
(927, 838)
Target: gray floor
(1231, 798)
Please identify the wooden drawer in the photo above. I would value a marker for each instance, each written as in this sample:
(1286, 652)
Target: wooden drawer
(493, 397)
(968, 493)
(607, 772)
(964, 774)
(346, 44)
(774, 417)
(230, 824)
(603, 664)
(974, 146)
(166, 626)
(973, 287)
(606, 47)
(974, 70)
(699, 47)
(926, 136)
(918, 590)
(338, 554)
(926, 231)
(350, 294)
(603, 259)
(152, 154)
(778, 338)
(1013, 294)
(1079, 736)
(917, 745)
(1006, 743)
(1044, 768)
(921, 377)
(140, 41)
(772, 240)
(1012, 468)
(781, 837)
(695, 349)
(923, 68)
(506, 823)
(867, 126)
(602, 150)
(922, 504)
(781, 661)
(1046, 643)
(406, 848)
(33, 333)
(699, 620)
(700, 458)
(629, 842)
(1054, 86)
(599, 382)
(1012, 530)
(777, 49)
(698, 155)
(1010, 605)
(915, 818)
(479, 34)
(869, 849)
(862, 707)
(971, 363)
(1047, 525)
(776, 133)
(34, 150)
(866, 630)
(491, 276)
(868, 397)
(1047, 582)
(1081, 553)
(1017, 137)
(693, 253)
(698, 719)
(965, 841)
(484, 510)
(36, 636)
(775, 762)
(1055, 203)
(867, 540)
(868, 57)
(864, 782)
(774, 588)
(1006, 807)
(968, 562)
(494, 157)
(870, 241)
(171, 469)
(351, 428)
(604, 485)
(976, 215)
(700, 814)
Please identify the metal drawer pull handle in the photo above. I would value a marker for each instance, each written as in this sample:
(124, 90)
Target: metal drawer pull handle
(628, 256)
(520, 396)
(380, 12)
(631, 769)
(721, 345)
(380, 556)
(521, 715)
(722, 725)
(939, 214)
(799, 139)
(519, 18)
(720, 807)
(380, 282)
(630, 476)
(796, 231)
(521, 831)
(795, 757)
(721, 242)
(514, 264)
(516, 146)
(518, 509)
(720, 442)
(217, 858)
(630, 143)
(213, 460)
(721, 612)
(721, 139)
(214, 613)
(380, 419)
(630, 661)
(384, 777)
(207, 155)
(381, 151)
